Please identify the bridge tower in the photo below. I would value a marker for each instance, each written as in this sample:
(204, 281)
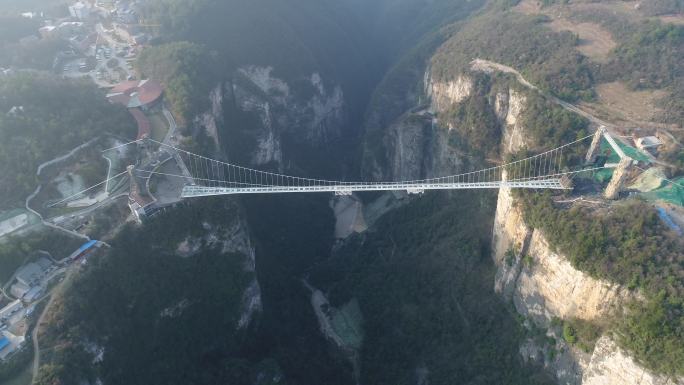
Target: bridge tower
(622, 169)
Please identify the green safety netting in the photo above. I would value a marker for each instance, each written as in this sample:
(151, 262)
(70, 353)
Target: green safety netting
(603, 176)
(670, 192)
(630, 151)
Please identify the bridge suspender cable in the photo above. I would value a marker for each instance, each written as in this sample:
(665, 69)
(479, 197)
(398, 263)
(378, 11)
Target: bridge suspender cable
(214, 177)
(88, 189)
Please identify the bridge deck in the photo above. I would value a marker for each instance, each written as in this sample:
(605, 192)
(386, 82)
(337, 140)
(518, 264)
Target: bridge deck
(192, 191)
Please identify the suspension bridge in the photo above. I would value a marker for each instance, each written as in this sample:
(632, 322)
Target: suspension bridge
(209, 177)
(203, 176)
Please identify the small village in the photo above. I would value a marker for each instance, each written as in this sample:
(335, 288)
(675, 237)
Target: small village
(104, 38)
(29, 285)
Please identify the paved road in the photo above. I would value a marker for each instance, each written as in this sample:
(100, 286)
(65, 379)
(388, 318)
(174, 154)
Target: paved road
(168, 140)
(27, 203)
(490, 66)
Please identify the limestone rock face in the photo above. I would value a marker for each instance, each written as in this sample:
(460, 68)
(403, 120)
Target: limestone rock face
(513, 130)
(610, 365)
(307, 110)
(418, 148)
(447, 94)
(551, 287)
(213, 118)
(547, 285)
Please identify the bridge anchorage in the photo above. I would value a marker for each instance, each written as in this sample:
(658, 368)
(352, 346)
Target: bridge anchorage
(210, 177)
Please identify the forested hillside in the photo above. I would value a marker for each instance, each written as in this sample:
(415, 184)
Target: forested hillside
(163, 304)
(422, 278)
(159, 317)
(42, 117)
(186, 70)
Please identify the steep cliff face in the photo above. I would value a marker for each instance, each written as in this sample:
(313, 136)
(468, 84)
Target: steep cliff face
(513, 105)
(434, 141)
(448, 93)
(418, 144)
(211, 120)
(419, 147)
(543, 286)
(264, 110)
(234, 238)
(611, 365)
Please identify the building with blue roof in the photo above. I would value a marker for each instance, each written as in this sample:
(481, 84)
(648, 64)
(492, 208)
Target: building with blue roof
(85, 248)
(4, 342)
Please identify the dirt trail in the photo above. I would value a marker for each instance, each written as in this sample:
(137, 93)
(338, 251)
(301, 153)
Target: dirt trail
(490, 66)
(36, 329)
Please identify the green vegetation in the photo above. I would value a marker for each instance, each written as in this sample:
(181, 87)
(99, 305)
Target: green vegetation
(17, 250)
(423, 278)
(16, 365)
(580, 333)
(631, 246)
(161, 318)
(547, 125)
(13, 28)
(475, 123)
(546, 58)
(648, 54)
(654, 331)
(651, 57)
(48, 118)
(26, 53)
(175, 16)
(186, 70)
(662, 7)
(625, 245)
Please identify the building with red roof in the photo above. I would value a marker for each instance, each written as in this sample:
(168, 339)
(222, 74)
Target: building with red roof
(143, 122)
(136, 94)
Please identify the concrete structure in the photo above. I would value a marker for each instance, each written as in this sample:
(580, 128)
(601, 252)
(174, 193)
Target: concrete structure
(9, 310)
(30, 276)
(595, 145)
(14, 223)
(85, 249)
(33, 294)
(136, 94)
(4, 342)
(18, 290)
(137, 202)
(31, 273)
(68, 29)
(618, 180)
(9, 343)
(621, 169)
(648, 143)
(47, 31)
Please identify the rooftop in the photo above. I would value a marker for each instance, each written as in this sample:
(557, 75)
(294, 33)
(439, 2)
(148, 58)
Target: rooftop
(4, 342)
(648, 141)
(135, 93)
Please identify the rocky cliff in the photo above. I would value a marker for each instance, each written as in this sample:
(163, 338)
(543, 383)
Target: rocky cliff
(305, 110)
(543, 287)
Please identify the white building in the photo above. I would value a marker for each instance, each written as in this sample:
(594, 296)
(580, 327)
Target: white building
(9, 310)
(30, 276)
(648, 143)
(31, 273)
(18, 290)
(80, 10)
